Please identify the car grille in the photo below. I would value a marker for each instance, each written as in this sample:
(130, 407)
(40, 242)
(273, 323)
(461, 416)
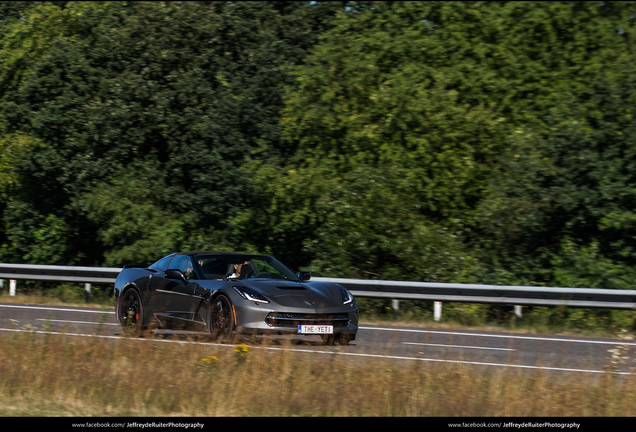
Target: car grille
(282, 319)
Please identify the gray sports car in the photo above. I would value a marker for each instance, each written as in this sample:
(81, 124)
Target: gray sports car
(224, 293)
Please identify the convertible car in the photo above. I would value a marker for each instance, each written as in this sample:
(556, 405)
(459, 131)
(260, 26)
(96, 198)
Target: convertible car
(225, 293)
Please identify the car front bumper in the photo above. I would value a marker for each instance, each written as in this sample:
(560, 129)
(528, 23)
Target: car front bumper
(258, 318)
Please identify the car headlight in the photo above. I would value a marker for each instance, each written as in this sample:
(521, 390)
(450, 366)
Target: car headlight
(346, 296)
(250, 294)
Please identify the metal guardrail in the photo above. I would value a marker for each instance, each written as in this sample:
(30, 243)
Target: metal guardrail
(440, 292)
(102, 275)
(593, 298)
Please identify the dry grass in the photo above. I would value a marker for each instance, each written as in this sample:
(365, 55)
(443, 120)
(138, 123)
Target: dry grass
(56, 375)
(43, 299)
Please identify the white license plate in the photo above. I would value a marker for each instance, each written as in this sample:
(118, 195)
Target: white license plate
(315, 329)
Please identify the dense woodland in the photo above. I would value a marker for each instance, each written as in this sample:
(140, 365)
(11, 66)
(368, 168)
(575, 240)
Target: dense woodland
(481, 142)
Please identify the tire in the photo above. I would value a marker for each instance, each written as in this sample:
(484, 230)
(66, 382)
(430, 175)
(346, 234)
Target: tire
(132, 313)
(221, 325)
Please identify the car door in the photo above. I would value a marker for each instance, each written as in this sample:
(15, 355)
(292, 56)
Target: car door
(175, 302)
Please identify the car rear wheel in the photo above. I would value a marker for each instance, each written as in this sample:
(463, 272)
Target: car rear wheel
(221, 319)
(132, 313)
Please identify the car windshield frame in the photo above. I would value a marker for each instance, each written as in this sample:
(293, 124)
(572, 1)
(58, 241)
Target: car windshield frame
(261, 267)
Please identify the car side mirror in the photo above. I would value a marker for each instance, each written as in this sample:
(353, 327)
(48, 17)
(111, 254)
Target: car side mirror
(176, 274)
(304, 276)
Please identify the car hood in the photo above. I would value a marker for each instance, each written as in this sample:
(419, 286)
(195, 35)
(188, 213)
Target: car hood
(310, 295)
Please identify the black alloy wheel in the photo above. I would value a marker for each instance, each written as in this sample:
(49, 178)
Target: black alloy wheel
(221, 318)
(132, 312)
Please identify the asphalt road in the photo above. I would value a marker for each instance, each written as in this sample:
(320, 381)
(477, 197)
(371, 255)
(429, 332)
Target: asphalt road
(558, 354)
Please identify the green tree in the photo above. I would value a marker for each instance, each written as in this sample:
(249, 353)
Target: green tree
(192, 88)
(563, 202)
(370, 95)
(131, 223)
(434, 91)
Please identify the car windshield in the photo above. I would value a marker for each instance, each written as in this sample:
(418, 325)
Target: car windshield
(242, 266)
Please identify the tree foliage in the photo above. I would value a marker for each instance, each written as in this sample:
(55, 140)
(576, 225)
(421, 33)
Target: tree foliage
(567, 197)
(436, 98)
(110, 87)
(488, 142)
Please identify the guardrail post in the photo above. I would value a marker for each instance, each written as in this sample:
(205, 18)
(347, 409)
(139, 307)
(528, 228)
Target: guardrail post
(437, 310)
(395, 304)
(517, 313)
(87, 288)
(12, 287)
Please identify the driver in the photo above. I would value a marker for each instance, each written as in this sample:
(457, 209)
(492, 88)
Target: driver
(240, 270)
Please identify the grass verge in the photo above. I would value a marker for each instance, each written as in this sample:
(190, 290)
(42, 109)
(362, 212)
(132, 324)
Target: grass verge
(57, 375)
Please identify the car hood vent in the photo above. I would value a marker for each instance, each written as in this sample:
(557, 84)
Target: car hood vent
(291, 287)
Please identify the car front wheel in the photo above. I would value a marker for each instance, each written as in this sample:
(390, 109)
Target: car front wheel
(221, 319)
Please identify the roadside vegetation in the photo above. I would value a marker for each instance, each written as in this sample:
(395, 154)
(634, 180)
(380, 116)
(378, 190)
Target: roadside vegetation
(55, 375)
